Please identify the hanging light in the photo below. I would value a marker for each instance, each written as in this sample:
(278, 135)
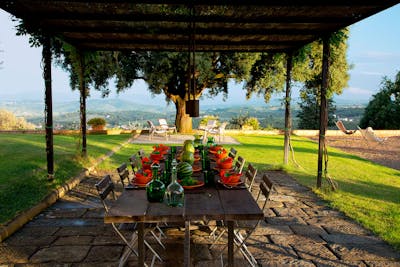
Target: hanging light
(192, 104)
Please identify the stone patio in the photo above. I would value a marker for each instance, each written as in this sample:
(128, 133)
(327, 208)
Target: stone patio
(299, 230)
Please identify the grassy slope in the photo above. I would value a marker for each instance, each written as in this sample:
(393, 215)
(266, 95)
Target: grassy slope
(367, 192)
(23, 166)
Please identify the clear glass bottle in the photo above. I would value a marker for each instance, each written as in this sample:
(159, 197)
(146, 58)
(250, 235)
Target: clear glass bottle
(155, 189)
(174, 192)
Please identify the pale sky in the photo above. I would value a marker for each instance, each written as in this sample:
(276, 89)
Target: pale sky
(373, 50)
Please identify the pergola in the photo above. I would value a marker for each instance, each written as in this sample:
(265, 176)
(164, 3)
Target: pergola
(274, 26)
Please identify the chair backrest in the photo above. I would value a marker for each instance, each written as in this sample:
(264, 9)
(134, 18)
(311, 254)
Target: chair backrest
(232, 153)
(370, 135)
(223, 126)
(141, 153)
(163, 122)
(123, 173)
(211, 124)
(151, 125)
(239, 164)
(266, 186)
(135, 163)
(104, 187)
(250, 176)
(341, 127)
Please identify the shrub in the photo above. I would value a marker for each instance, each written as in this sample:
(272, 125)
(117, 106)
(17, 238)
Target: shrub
(252, 122)
(96, 122)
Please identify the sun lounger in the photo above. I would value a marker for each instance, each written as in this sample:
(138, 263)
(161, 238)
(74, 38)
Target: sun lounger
(370, 136)
(341, 127)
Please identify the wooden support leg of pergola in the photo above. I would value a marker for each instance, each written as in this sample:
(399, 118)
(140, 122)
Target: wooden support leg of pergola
(323, 122)
(46, 57)
(288, 119)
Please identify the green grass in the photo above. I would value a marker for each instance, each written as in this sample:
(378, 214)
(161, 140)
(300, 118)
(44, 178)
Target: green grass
(368, 192)
(23, 181)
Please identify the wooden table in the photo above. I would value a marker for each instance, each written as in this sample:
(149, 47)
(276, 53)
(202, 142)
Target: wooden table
(208, 203)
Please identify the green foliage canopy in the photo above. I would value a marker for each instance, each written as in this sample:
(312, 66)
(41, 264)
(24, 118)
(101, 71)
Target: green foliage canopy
(383, 111)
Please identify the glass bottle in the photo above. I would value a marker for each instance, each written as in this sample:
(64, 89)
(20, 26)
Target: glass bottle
(174, 192)
(155, 189)
(210, 141)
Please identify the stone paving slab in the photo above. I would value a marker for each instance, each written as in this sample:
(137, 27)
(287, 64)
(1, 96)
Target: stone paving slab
(299, 230)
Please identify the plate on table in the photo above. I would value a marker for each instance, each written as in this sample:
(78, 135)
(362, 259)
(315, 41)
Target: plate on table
(238, 183)
(138, 185)
(199, 184)
(196, 168)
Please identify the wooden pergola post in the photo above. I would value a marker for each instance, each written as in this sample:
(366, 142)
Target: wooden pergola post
(323, 121)
(82, 102)
(288, 118)
(48, 111)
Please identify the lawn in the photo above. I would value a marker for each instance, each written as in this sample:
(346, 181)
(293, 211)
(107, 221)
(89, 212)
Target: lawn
(368, 192)
(23, 181)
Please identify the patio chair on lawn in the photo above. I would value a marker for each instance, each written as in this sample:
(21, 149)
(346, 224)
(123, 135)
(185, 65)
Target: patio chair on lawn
(164, 125)
(244, 229)
(105, 187)
(156, 130)
(219, 130)
(370, 136)
(341, 127)
(211, 124)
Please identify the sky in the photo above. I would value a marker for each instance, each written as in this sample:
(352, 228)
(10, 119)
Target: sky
(373, 50)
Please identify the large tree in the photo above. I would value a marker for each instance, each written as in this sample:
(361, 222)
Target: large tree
(383, 111)
(167, 73)
(309, 110)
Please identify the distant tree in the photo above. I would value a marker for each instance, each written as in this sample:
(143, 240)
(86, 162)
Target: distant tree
(309, 111)
(8, 121)
(383, 111)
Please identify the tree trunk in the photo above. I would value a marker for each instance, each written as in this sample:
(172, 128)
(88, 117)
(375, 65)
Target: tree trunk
(183, 121)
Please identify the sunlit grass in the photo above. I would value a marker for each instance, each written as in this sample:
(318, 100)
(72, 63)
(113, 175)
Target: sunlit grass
(23, 181)
(368, 192)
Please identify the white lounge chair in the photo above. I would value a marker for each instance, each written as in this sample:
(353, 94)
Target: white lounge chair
(164, 125)
(370, 136)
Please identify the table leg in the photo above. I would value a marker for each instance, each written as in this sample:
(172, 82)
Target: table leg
(141, 251)
(230, 243)
(186, 249)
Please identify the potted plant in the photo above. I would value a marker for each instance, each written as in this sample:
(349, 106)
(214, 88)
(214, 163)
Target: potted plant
(97, 124)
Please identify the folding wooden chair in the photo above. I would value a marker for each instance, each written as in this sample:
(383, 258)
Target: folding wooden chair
(250, 176)
(105, 187)
(266, 186)
(239, 164)
(232, 153)
(135, 163)
(124, 174)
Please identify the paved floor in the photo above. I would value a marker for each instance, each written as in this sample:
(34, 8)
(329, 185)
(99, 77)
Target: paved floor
(300, 230)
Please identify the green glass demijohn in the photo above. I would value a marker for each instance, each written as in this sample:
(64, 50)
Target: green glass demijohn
(155, 189)
(174, 192)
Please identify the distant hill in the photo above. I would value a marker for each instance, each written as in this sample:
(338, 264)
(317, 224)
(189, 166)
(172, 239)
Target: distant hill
(125, 112)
